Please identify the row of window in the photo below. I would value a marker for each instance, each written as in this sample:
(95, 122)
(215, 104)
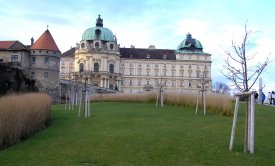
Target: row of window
(14, 58)
(158, 65)
(46, 60)
(164, 83)
(164, 73)
(198, 57)
(96, 67)
(96, 45)
(46, 75)
(40, 51)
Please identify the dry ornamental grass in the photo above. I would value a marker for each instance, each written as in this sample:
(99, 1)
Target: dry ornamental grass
(22, 115)
(216, 103)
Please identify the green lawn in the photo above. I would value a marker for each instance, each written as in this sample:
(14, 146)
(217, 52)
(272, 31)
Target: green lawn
(126, 134)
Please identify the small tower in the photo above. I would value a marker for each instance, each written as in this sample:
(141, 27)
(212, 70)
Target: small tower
(44, 65)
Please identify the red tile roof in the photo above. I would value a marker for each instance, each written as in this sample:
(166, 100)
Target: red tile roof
(6, 44)
(45, 42)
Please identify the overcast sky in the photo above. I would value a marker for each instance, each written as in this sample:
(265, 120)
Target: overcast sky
(163, 23)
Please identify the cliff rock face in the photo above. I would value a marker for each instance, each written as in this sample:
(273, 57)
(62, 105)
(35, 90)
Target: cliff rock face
(14, 80)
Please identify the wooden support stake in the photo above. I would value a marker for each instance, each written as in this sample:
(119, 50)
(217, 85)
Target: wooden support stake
(252, 124)
(234, 122)
(89, 105)
(204, 103)
(197, 102)
(249, 122)
(66, 101)
(80, 103)
(157, 98)
(85, 101)
(161, 98)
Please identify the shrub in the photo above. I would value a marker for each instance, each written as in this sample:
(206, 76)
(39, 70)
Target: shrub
(216, 103)
(22, 115)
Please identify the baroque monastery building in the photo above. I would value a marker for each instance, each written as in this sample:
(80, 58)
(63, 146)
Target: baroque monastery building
(135, 70)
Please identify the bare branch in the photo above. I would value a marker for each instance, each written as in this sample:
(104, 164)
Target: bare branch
(236, 65)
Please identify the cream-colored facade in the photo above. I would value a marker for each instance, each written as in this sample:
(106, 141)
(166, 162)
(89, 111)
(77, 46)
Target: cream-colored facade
(178, 75)
(135, 70)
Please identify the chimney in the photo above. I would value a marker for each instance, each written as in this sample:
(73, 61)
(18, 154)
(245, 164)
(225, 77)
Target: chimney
(152, 47)
(32, 40)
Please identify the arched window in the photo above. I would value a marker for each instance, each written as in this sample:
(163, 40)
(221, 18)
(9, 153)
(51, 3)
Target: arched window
(111, 86)
(96, 45)
(96, 67)
(81, 67)
(111, 68)
(82, 45)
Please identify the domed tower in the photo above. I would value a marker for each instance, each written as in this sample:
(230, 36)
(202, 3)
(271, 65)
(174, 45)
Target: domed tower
(190, 45)
(197, 70)
(98, 54)
(44, 64)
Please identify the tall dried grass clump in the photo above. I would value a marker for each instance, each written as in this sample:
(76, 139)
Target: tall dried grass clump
(22, 115)
(134, 97)
(216, 103)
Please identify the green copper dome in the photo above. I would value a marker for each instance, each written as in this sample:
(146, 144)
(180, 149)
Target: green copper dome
(190, 45)
(98, 32)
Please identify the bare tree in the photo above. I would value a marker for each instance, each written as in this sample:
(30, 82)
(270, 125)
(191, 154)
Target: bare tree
(160, 86)
(241, 73)
(237, 68)
(202, 85)
(220, 87)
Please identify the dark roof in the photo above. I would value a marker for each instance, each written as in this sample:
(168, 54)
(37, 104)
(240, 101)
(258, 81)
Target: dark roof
(142, 53)
(69, 53)
(45, 42)
(12, 45)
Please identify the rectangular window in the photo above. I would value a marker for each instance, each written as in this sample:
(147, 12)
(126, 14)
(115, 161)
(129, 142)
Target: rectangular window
(139, 71)
(139, 82)
(173, 73)
(46, 60)
(181, 73)
(156, 72)
(33, 75)
(130, 83)
(173, 84)
(46, 74)
(33, 60)
(14, 58)
(164, 73)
